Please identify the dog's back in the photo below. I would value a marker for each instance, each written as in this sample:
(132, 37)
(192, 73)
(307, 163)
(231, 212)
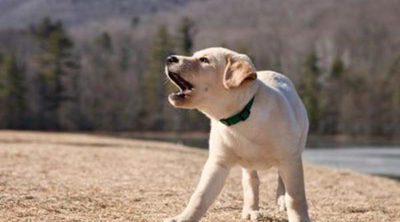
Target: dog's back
(285, 87)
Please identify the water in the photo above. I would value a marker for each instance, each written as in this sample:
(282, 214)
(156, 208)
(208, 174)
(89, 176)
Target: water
(371, 157)
(383, 161)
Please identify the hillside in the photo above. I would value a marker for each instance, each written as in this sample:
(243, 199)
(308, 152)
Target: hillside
(76, 177)
(286, 30)
(21, 13)
(217, 15)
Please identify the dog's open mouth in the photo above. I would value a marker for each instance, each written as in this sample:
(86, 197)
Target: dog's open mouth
(185, 87)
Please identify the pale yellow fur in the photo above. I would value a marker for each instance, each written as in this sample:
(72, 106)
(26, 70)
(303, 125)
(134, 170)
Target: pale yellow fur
(273, 135)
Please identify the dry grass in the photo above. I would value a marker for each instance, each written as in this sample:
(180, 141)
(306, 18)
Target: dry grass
(73, 177)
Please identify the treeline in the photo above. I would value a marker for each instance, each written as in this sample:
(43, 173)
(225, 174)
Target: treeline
(342, 100)
(55, 83)
(50, 80)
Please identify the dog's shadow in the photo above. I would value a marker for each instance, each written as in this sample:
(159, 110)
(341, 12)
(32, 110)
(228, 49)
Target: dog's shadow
(264, 218)
(271, 219)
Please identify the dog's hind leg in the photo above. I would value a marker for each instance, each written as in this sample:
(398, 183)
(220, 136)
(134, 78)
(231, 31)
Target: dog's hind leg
(295, 197)
(280, 194)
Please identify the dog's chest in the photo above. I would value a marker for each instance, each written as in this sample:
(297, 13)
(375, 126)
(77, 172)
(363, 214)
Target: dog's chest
(257, 162)
(251, 154)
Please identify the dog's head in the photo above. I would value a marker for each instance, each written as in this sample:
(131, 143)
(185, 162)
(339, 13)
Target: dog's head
(208, 76)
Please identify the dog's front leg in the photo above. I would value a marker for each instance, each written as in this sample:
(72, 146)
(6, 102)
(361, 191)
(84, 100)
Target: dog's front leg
(251, 183)
(211, 182)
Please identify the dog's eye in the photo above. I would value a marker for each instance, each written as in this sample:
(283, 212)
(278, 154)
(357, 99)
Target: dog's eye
(204, 60)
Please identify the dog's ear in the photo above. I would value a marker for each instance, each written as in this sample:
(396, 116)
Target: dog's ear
(238, 70)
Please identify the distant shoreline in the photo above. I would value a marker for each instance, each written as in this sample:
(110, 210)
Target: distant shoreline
(200, 139)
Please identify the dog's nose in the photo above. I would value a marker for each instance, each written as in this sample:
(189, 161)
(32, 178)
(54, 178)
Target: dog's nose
(172, 59)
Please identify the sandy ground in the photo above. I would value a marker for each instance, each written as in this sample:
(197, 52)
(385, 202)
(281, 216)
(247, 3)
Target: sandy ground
(75, 177)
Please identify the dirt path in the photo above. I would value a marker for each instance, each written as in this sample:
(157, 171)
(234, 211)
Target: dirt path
(74, 177)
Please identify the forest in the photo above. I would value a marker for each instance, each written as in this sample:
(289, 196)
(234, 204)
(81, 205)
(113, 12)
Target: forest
(54, 76)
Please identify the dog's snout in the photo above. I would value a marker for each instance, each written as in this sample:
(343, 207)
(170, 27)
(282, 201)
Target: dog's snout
(172, 59)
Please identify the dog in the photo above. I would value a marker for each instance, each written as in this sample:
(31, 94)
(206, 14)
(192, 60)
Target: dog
(258, 121)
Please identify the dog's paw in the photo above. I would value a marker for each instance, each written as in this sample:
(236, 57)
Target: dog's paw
(253, 215)
(280, 201)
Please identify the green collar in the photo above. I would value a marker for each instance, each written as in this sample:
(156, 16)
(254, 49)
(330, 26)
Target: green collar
(240, 116)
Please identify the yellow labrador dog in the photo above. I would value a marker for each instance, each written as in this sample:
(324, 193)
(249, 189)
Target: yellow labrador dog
(257, 121)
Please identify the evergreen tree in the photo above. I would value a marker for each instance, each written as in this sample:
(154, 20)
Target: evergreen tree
(186, 32)
(310, 89)
(2, 79)
(337, 68)
(105, 42)
(135, 21)
(55, 68)
(392, 87)
(155, 89)
(12, 93)
(331, 95)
